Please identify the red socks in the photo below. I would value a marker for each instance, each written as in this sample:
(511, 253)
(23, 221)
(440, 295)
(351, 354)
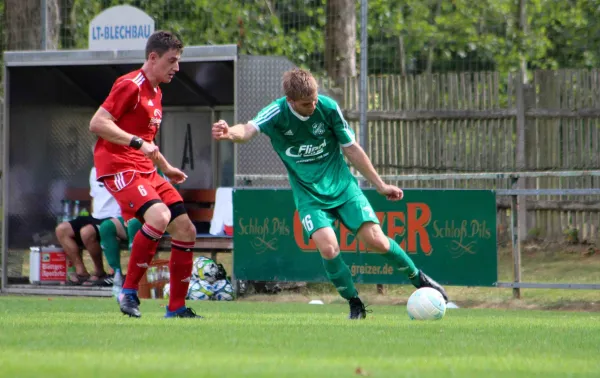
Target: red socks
(143, 250)
(180, 270)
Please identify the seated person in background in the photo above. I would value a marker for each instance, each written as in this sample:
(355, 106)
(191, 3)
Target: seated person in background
(82, 232)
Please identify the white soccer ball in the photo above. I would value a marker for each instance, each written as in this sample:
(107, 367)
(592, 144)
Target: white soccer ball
(205, 269)
(199, 262)
(426, 304)
(199, 290)
(166, 291)
(223, 290)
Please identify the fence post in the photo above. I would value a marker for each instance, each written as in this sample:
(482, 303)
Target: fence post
(364, 73)
(363, 88)
(3, 180)
(521, 157)
(43, 25)
(516, 245)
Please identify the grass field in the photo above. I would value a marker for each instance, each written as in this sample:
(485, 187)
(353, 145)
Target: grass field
(551, 264)
(67, 337)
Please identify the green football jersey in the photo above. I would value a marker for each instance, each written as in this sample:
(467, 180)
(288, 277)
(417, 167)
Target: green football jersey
(310, 148)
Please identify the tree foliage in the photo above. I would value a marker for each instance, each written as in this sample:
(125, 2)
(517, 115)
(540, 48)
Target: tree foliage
(474, 35)
(408, 36)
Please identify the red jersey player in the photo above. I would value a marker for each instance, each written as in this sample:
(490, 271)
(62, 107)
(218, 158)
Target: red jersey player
(125, 156)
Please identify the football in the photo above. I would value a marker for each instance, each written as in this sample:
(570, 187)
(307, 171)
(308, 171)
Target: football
(166, 290)
(223, 290)
(199, 291)
(426, 304)
(205, 269)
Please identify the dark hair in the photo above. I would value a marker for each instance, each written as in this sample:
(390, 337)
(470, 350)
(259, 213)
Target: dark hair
(162, 41)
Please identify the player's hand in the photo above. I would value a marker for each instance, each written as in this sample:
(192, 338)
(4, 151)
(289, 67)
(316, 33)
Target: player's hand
(176, 176)
(150, 150)
(220, 130)
(391, 192)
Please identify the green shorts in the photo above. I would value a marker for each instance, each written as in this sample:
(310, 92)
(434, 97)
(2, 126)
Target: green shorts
(352, 213)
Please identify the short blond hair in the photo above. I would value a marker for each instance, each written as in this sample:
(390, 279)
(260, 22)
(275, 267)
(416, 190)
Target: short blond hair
(299, 84)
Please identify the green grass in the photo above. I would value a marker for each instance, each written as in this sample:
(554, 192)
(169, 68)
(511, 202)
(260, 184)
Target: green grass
(551, 262)
(538, 265)
(63, 337)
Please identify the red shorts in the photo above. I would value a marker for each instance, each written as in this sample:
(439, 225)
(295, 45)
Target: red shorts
(133, 189)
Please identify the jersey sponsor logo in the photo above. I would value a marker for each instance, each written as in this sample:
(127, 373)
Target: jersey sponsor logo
(156, 120)
(318, 128)
(306, 150)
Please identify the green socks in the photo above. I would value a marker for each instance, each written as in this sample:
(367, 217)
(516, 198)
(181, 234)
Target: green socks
(133, 226)
(403, 262)
(339, 273)
(340, 276)
(110, 244)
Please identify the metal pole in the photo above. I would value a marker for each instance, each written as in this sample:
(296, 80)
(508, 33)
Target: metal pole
(43, 24)
(5, 178)
(522, 133)
(363, 99)
(521, 156)
(516, 245)
(523, 25)
(363, 90)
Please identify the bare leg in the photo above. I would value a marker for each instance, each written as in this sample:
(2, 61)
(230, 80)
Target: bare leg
(66, 238)
(89, 236)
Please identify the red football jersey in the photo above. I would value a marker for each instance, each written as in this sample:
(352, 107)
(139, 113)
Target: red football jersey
(136, 107)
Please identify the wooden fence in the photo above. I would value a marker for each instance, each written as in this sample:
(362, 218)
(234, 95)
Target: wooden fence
(466, 122)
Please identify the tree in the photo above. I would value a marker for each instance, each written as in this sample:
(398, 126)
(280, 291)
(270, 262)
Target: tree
(410, 36)
(23, 20)
(340, 40)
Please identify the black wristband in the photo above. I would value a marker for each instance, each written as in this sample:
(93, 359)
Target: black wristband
(136, 142)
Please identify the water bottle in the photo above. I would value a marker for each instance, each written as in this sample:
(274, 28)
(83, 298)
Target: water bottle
(117, 283)
(76, 210)
(164, 273)
(61, 216)
(71, 271)
(152, 276)
(66, 213)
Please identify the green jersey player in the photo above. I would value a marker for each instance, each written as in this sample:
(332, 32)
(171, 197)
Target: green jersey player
(311, 136)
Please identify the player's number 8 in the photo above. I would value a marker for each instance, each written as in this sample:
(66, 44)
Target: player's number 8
(307, 223)
(143, 191)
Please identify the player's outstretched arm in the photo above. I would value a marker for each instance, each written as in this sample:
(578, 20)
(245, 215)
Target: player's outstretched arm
(359, 159)
(240, 133)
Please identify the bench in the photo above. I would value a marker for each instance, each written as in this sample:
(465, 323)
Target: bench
(200, 207)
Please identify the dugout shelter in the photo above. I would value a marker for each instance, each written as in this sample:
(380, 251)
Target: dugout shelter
(50, 97)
